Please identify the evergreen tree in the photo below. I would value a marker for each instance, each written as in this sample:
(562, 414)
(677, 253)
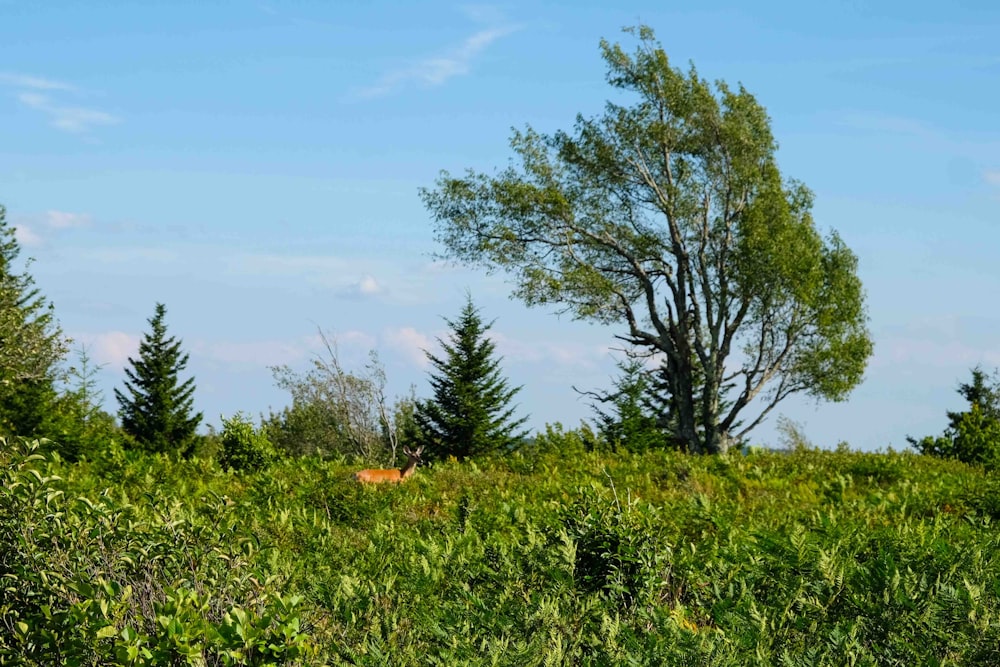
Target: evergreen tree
(972, 436)
(31, 346)
(156, 411)
(632, 422)
(85, 429)
(471, 412)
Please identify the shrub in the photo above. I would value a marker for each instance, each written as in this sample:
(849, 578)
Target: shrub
(244, 448)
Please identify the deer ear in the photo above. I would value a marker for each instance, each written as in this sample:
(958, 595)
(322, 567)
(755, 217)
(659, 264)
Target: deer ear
(406, 450)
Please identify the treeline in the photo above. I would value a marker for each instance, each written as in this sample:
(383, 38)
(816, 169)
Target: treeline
(339, 412)
(333, 412)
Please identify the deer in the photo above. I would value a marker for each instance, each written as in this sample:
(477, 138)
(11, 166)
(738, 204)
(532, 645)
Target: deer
(391, 475)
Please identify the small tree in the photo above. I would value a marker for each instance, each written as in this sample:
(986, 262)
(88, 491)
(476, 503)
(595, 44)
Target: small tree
(471, 412)
(972, 436)
(629, 422)
(336, 410)
(84, 428)
(244, 447)
(31, 346)
(156, 410)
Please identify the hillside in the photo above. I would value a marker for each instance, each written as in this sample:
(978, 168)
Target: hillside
(550, 556)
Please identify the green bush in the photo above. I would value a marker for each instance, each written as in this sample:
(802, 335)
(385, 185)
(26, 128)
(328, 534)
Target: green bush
(108, 582)
(244, 447)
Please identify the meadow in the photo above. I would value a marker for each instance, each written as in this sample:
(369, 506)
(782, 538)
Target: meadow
(553, 555)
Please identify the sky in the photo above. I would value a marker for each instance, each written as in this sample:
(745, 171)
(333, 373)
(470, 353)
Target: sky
(256, 167)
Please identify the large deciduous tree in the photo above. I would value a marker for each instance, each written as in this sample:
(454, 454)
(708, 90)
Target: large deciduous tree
(471, 411)
(668, 215)
(31, 345)
(157, 408)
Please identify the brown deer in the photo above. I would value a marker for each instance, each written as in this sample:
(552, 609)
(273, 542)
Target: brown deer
(391, 475)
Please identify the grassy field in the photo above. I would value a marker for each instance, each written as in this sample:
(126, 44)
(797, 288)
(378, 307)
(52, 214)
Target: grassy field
(550, 556)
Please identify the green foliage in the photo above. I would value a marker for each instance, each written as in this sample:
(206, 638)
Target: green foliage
(972, 436)
(470, 413)
(156, 411)
(669, 216)
(337, 412)
(633, 423)
(104, 581)
(81, 428)
(31, 346)
(244, 447)
(552, 554)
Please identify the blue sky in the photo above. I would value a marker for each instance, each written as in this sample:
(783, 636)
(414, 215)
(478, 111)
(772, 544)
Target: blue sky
(255, 166)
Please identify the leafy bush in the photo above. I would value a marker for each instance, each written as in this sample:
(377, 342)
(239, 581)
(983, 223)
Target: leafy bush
(244, 448)
(108, 582)
(542, 556)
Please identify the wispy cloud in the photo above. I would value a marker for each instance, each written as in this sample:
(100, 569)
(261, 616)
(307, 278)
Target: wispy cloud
(33, 230)
(77, 120)
(992, 177)
(64, 220)
(34, 82)
(436, 70)
(409, 343)
(42, 95)
(110, 347)
(26, 236)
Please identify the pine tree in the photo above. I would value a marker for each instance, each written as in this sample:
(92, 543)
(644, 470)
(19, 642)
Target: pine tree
(31, 346)
(471, 412)
(157, 410)
(633, 422)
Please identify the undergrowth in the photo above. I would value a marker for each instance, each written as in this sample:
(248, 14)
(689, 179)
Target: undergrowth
(808, 558)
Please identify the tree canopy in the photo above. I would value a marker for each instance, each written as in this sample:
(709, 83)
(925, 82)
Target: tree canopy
(669, 216)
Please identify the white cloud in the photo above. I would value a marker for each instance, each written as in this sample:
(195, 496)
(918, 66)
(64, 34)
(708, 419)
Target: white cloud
(366, 287)
(64, 220)
(918, 352)
(77, 120)
(26, 236)
(562, 354)
(110, 347)
(436, 70)
(255, 353)
(369, 285)
(33, 230)
(33, 82)
(409, 343)
(131, 255)
(992, 177)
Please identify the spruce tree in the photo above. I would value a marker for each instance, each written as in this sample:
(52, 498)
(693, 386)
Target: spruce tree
(471, 412)
(156, 411)
(31, 346)
(633, 422)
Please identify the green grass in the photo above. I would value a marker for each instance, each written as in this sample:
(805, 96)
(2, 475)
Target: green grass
(809, 558)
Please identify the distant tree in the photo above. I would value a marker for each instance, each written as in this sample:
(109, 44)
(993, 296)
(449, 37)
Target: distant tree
(156, 411)
(471, 412)
(668, 216)
(84, 427)
(335, 410)
(627, 417)
(31, 346)
(972, 436)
